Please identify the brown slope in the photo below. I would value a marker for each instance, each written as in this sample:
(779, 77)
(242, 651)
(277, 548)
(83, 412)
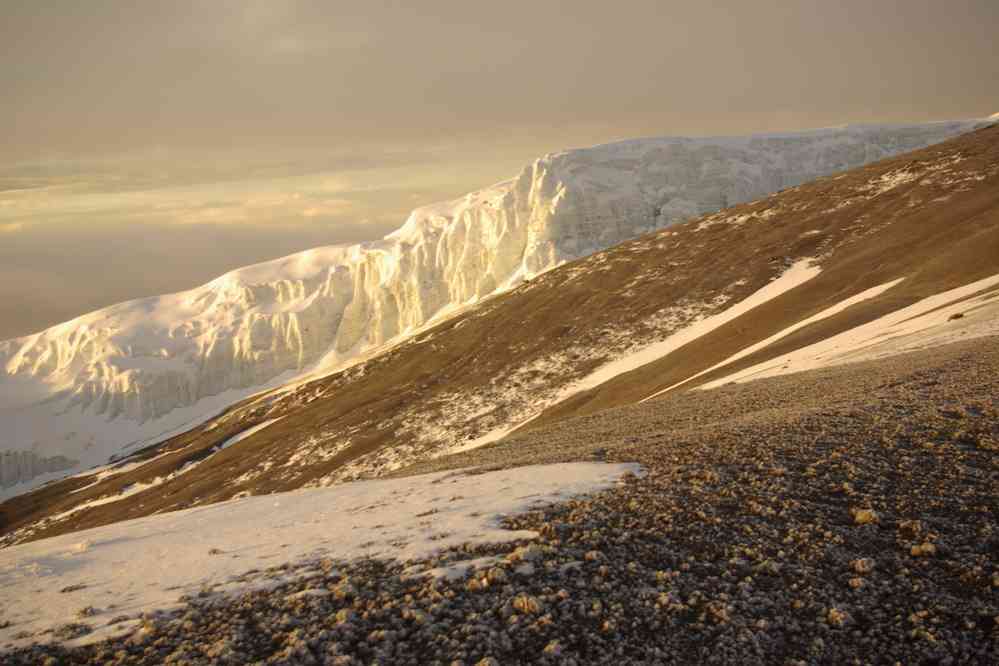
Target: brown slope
(486, 367)
(935, 245)
(751, 504)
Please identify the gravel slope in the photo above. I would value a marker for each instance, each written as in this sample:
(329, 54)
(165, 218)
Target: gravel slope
(847, 515)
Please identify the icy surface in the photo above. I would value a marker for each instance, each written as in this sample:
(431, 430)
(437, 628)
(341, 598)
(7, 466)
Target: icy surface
(799, 273)
(698, 325)
(963, 313)
(490, 413)
(113, 380)
(131, 567)
(865, 295)
(235, 439)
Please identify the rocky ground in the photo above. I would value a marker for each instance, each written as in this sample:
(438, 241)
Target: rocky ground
(849, 515)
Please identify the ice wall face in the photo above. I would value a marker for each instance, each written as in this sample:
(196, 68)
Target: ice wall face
(85, 388)
(23, 466)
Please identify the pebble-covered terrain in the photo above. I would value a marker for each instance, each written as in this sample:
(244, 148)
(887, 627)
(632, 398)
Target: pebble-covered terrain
(848, 515)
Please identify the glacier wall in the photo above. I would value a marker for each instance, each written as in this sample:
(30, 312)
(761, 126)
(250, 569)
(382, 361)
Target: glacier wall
(140, 362)
(21, 466)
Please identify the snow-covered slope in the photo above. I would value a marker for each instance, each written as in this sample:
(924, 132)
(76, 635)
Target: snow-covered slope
(79, 392)
(226, 547)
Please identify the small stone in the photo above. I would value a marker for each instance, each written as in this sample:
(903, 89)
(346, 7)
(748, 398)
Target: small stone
(864, 516)
(417, 616)
(72, 588)
(526, 554)
(496, 575)
(864, 565)
(72, 630)
(554, 649)
(836, 617)
(526, 569)
(344, 590)
(926, 549)
(718, 612)
(527, 604)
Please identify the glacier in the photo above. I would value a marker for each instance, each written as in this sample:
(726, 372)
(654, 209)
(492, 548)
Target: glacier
(114, 380)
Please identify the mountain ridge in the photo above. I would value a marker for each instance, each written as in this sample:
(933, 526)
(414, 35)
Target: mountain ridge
(132, 373)
(506, 365)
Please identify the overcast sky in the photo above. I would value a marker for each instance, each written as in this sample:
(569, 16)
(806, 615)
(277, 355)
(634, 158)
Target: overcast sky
(149, 146)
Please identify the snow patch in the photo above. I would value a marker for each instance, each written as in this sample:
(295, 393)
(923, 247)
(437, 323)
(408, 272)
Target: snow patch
(929, 322)
(136, 566)
(239, 437)
(752, 349)
(799, 273)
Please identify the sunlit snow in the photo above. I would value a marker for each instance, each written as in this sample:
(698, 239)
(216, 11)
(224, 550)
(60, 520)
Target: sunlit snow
(957, 314)
(128, 375)
(139, 565)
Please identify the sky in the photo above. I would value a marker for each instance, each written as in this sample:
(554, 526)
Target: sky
(147, 147)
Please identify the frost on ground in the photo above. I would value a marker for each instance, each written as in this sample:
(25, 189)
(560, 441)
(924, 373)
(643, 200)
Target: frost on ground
(800, 272)
(103, 579)
(464, 421)
(688, 324)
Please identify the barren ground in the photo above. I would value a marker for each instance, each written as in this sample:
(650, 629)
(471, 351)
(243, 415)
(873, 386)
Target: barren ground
(846, 515)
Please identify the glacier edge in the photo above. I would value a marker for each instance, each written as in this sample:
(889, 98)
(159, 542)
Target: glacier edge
(87, 388)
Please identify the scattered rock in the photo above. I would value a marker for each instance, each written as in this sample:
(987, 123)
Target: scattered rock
(527, 604)
(836, 617)
(70, 631)
(863, 565)
(864, 516)
(73, 588)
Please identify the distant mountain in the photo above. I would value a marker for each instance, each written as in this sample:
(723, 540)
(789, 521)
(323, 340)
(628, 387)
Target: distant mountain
(107, 383)
(897, 255)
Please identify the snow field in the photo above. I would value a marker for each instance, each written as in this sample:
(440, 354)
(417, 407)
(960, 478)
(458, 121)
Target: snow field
(929, 322)
(136, 566)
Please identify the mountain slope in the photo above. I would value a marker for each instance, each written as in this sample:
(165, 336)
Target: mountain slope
(733, 289)
(112, 381)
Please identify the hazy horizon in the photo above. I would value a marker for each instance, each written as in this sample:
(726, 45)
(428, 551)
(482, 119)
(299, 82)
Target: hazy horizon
(149, 148)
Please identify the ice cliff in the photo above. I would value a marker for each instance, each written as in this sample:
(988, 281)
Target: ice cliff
(132, 372)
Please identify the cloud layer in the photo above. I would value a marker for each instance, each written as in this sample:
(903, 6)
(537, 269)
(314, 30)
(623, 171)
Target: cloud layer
(78, 236)
(146, 147)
